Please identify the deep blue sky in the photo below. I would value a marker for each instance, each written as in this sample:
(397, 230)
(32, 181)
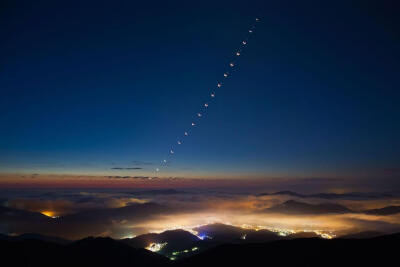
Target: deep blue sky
(86, 87)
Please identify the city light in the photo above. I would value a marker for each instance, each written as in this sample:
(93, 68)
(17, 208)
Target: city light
(156, 247)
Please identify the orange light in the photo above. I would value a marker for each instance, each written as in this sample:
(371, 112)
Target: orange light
(49, 213)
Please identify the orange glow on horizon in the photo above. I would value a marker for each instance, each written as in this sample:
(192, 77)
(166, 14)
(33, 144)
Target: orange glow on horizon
(49, 213)
(87, 181)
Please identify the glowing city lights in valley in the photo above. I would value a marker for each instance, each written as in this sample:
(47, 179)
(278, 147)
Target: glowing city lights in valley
(246, 229)
(232, 64)
(156, 247)
(280, 231)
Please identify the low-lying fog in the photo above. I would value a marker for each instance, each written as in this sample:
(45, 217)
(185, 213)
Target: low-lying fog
(75, 214)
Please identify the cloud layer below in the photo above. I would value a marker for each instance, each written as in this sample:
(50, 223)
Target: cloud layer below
(129, 212)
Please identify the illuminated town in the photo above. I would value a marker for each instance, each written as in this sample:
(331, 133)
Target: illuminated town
(283, 232)
(156, 247)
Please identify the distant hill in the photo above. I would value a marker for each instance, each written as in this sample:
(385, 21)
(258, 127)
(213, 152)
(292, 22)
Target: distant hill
(261, 236)
(20, 221)
(221, 232)
(135, 211)
(31, 236)
(296, 207)
(362, 235)
(17, 215)
(389, 210)
(81, 224)
(351, 195)
(176, 240)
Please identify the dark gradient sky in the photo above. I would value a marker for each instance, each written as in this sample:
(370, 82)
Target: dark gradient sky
(87, 87)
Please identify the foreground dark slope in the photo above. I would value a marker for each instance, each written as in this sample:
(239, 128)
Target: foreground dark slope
(85, 252)
(379, 251)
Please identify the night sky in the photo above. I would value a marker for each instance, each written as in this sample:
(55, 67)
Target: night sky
(99, 88)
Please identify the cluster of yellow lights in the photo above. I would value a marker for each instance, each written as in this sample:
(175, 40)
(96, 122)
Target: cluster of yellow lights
(326, 235)
(156, 247)
(176, 253)
(287, 232)
(184, 251)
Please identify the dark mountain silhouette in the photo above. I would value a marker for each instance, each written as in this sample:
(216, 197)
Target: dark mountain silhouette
(362, 235)
(95, 222)
(79, 225)
(86, 252)
(31, 236)
(351, 195)
(296, 207)
(176, 240)
(20, 221)
(389, 210)
(302, 235)
(16, 215)
(136, 211)
(219, 232)
(261, 236)
(31, 253)
(108, 252)
(380, 251)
